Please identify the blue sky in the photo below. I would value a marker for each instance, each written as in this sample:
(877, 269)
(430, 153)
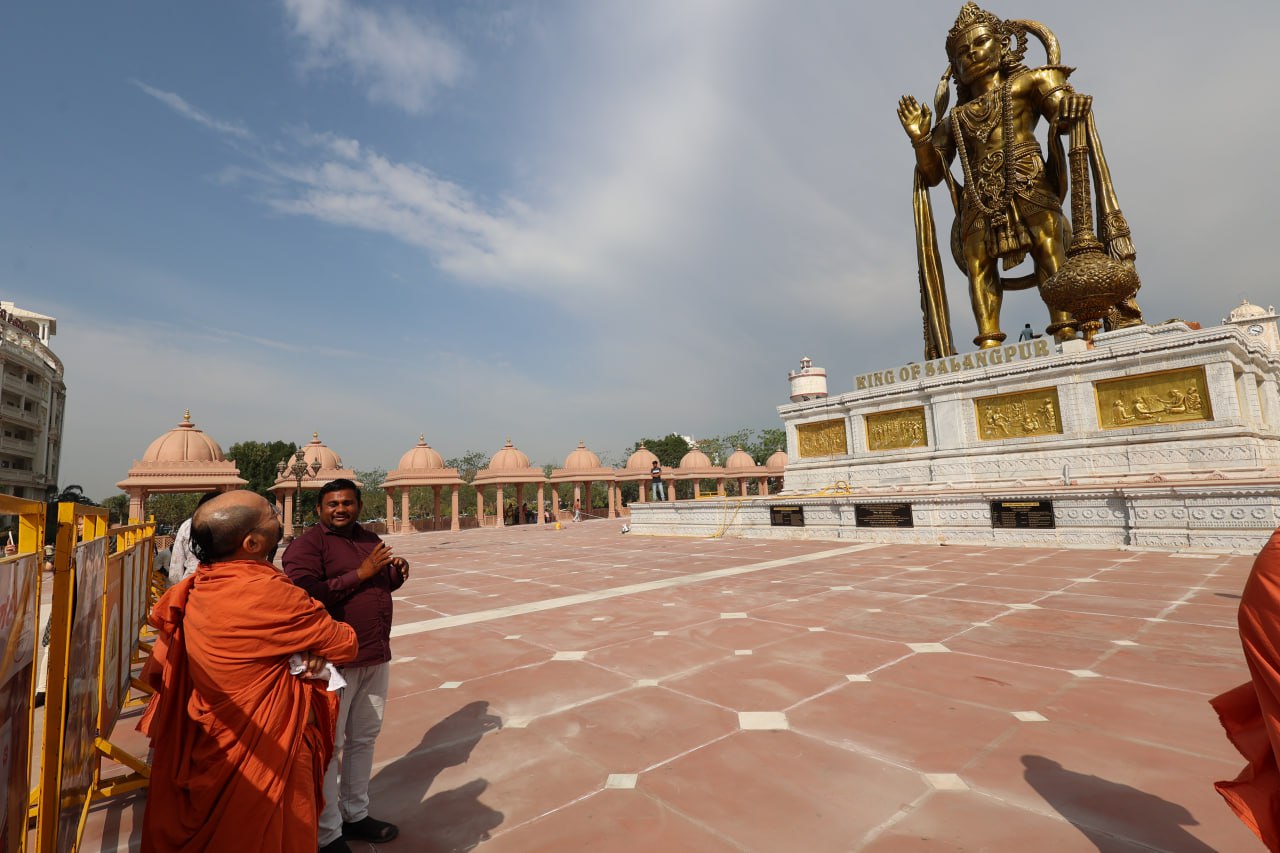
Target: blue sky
(553, 222)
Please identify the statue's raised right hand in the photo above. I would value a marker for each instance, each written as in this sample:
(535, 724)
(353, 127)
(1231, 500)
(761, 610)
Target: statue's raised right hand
(916, 119)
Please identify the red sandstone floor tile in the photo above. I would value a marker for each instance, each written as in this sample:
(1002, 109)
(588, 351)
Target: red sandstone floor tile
(950, 821)
(902, 725)
(979, 680)
(891, 625)
(617, 821)
(1142, 793)
(948, 609)
(1036, 647)
(1073, 624)
(546, 688)
(1222, 615)
(748, 683)
(835, 652)
(637, 729)
(732, 634)
(780, 791)
(1173, 718)
(657, 657)
(1209, 674)
(1191, 637)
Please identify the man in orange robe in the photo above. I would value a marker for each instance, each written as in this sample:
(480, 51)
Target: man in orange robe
(240, 745)
(1251, 712)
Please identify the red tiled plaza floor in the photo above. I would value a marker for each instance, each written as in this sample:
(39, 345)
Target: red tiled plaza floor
(582, 690)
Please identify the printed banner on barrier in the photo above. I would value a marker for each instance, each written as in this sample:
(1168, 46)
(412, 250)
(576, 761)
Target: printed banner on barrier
(19, 613)
(82, 690)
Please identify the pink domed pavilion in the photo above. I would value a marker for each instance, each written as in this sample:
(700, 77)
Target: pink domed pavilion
(323, 465)
(184, 459)
(741, 468)
(775, 466)
(421, 467)
(639, 469)
(582, 468)
(509, 466)
(696, 466)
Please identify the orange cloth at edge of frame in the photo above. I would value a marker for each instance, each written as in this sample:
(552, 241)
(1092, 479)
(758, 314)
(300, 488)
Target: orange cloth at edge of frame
(1250, 713)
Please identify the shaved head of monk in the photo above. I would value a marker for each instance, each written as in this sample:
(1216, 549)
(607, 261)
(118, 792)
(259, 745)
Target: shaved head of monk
(236, 525)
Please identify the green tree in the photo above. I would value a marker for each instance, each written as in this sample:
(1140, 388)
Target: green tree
(669, 450)
(372, 498)
(170, 510)
(468, 465)
(118, 508)
(257, 462)
(768, 442)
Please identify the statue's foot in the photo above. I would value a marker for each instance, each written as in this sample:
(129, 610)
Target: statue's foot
(989, 340)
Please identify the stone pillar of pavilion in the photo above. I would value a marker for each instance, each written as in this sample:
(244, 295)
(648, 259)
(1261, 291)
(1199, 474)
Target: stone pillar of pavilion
(696, 466)
(775, 468)
(582, 467)
(742, 469)
(184, 459)
(421, 467)
(508, 467)
(330, 469)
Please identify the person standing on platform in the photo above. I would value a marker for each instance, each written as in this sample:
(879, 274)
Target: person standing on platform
(352, 573)
(659, 488)
(240, 744)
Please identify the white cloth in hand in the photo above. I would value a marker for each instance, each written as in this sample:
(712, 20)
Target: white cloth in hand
(298, 666)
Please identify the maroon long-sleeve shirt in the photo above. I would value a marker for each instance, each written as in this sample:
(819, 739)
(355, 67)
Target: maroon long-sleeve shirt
(324, 561)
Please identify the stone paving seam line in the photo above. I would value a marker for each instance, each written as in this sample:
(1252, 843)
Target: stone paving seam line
(410, 628)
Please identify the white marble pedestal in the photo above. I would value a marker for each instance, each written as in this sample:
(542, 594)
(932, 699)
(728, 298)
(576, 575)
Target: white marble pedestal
(1157, 437)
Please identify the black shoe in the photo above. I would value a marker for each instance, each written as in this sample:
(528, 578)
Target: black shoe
(338, 846)
(369, 829)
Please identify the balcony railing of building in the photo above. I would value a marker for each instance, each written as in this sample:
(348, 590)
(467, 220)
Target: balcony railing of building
(15, 340)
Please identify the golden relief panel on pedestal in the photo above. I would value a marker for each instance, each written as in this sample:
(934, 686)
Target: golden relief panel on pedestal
(897, 429)
(1019, 415)
(1167, 397)
(824, 438)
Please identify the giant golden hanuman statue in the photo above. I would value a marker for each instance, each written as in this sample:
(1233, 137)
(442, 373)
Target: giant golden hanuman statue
(1008, 203)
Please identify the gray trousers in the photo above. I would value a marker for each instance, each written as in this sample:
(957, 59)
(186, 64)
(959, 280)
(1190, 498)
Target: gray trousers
(346, 782)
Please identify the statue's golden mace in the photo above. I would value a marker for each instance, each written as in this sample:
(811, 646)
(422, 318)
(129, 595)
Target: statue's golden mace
(1090, 282)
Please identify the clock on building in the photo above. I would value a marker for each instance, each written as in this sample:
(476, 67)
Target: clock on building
(1255, 329)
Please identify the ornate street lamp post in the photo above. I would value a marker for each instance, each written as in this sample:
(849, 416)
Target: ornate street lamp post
(299, 471)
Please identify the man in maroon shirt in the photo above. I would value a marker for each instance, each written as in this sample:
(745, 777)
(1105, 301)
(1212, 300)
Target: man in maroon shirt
(352, 572)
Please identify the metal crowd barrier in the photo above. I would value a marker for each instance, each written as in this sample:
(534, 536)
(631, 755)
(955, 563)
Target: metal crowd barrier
(103, 589)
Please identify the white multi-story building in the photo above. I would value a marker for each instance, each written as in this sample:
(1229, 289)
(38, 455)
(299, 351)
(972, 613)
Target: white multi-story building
(32, 399)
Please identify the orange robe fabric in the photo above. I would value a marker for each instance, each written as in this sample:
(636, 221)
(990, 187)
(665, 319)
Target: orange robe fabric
(1250, 713)
(240, 745)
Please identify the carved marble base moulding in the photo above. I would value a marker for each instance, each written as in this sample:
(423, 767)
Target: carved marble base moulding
(1210, 518)
(1142, 401)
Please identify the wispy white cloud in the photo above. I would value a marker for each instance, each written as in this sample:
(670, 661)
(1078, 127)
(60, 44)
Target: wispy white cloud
(181, 106)
(400, 58)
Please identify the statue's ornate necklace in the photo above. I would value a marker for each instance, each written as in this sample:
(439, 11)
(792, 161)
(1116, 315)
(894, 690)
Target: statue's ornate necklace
(980, 117)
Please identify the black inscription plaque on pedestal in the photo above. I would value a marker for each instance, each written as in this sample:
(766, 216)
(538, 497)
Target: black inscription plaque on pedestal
(1022, 514)
(786, 516)
(883, 515)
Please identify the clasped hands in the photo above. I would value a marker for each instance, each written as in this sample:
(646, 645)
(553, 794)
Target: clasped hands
(379, 558)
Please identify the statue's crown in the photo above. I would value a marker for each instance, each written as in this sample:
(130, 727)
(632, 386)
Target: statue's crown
(971, 16)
